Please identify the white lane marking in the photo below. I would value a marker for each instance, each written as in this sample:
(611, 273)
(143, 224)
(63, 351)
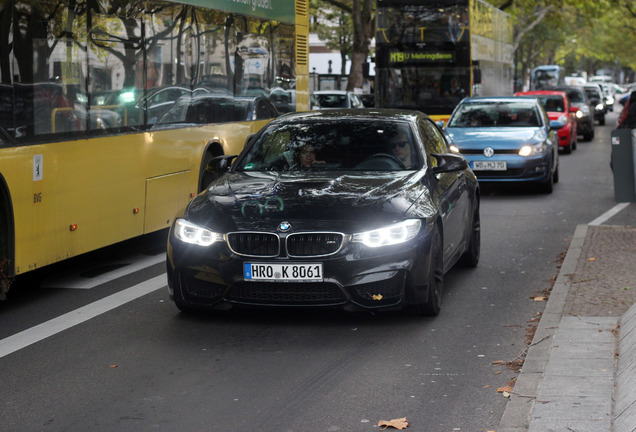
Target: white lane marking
(63, 322)
(77, 281)
(608, 214)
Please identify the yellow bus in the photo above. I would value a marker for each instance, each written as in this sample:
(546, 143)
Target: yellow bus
(111, 111)
(430, 54)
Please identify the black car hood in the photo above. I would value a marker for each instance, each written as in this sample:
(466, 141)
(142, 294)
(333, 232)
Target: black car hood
(321, 201)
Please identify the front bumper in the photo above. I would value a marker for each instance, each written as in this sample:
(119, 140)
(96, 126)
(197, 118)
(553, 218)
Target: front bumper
(518, 168)
(355, 278)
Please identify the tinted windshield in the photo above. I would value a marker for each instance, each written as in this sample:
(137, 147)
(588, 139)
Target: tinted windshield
(332, 146)
(332, 100)
(592, 93)
(490, 114)
(575, 95)
(552, 103)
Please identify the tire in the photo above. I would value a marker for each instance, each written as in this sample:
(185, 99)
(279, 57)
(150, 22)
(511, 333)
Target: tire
(575, 141)
(568, 149)
(470, 258)
(601, 121)
(548, 186)
(555, 176)
(435, 288)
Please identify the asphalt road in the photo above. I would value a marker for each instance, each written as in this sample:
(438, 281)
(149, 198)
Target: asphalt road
(118, 356)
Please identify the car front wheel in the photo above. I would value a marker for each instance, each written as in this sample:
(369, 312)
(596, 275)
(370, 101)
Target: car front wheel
(434, 289)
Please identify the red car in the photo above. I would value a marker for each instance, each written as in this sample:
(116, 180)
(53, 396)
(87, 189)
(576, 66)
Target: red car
(557, 105)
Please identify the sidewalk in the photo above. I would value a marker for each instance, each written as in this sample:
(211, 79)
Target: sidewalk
(579, 374)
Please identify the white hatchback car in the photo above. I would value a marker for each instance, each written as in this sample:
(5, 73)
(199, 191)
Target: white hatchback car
(332, 99)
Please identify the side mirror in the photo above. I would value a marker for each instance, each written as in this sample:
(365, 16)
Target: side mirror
(556, 125)
(574, 109)
(221, 163)
(447, 162)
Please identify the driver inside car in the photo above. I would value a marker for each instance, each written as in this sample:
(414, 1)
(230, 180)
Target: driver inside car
(399, 147)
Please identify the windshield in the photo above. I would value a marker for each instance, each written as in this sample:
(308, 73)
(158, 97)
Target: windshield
(332, 146)
(332, 100)
(491, 114)
(552, 103)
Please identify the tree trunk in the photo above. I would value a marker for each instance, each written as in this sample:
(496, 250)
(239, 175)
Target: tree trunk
(361, 36)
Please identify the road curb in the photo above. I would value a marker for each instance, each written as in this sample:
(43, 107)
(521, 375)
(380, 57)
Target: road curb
(518, 412)
(624, 410)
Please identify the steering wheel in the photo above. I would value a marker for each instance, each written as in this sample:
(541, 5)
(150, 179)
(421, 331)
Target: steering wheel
(389, 161)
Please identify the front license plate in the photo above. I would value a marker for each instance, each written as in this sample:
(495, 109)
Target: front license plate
(283, 272)
(489, 166)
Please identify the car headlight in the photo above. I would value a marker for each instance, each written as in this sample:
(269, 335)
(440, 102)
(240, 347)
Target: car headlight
(579, 114)
(563, 119)
(453, 148)
(188, 232)
(389, 235)
(532, 150)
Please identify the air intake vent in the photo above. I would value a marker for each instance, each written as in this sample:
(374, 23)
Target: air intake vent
(302, 7)
(302, 50)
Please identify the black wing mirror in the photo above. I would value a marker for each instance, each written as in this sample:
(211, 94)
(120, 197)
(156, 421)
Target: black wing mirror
(221, 163)
(447, 162)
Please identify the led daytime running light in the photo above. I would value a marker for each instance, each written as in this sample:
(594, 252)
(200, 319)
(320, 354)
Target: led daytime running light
(390, 235)
(188, 232)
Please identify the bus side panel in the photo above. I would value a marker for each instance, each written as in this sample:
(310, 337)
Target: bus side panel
(74, 195)
(166, 196)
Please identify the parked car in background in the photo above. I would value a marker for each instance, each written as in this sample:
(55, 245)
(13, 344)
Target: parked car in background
(557, 105)
(507, 139)
(321, 210)
(332, 99)
(595, 94)
(583, 109)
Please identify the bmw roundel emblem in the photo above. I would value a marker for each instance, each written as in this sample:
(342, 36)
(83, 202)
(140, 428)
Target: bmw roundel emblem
(284, 226)
(488, 152)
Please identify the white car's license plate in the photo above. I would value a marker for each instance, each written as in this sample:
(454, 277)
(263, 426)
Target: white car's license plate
(283, 272)
(489, 166)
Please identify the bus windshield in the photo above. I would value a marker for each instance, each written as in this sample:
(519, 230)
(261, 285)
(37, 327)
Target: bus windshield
(428, 53)
(423, 55)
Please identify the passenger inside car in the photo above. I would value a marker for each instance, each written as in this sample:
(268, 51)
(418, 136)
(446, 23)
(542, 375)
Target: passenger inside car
(307, 157)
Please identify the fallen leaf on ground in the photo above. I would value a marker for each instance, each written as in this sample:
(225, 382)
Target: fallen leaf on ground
(591, 259)
(400, 423)
(504, 389)
(539, 298)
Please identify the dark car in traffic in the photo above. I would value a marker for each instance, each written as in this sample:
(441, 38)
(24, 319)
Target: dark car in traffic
(359, 209)
(507, 139)
(583, 108)
(595, 94)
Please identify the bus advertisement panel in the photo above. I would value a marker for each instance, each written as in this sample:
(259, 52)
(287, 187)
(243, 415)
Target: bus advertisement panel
(112, 111)
(431, 54)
